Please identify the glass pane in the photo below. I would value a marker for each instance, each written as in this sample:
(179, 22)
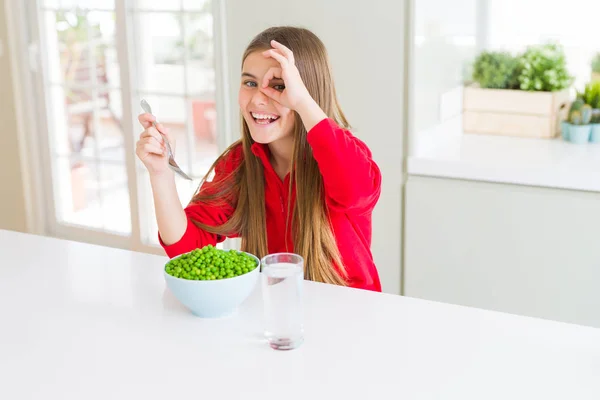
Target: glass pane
(158, 5)
(200, 53)
(81, 48)
(149, 228)
(110, 131)
(80, 123)
(443, 31)
(507, 33)
(197, 5)
(68, 35)
(112, 74)
(160, 49)
(51, 3)
(86, 4)
(90, 124)
(115, 198)
(76, 193)
(58, 120)
(204, 125)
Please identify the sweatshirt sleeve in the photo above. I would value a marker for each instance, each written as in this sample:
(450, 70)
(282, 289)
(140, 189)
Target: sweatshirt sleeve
(208, 214)
(351, 178)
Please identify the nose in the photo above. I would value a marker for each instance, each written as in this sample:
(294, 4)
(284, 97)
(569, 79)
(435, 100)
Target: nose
(259, 99)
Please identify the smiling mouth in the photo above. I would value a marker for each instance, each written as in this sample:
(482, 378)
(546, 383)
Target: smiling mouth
(264, 119)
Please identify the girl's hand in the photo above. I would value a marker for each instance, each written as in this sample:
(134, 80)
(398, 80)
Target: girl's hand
(151, 148)
(295, 93)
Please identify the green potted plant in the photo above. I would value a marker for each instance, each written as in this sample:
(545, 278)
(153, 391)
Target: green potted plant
(496, 70)
(580, 127)
(591, 97)
(596, 68)
(523, 95)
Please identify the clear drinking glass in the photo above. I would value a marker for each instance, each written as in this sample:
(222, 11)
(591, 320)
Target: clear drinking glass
(282, 277)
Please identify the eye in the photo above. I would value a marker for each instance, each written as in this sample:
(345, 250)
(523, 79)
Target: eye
(251, 84)
(279, 87)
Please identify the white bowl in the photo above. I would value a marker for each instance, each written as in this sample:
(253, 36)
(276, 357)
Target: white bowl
(214, 298)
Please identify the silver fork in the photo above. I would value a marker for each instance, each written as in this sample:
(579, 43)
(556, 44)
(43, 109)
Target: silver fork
(146, 107)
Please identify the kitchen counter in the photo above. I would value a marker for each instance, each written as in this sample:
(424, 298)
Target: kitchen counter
(550, 163)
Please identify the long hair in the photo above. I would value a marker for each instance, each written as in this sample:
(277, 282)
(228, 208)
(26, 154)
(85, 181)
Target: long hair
(244, 189)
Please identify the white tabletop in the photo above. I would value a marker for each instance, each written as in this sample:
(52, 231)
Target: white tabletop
(446, 152)
(88, 322)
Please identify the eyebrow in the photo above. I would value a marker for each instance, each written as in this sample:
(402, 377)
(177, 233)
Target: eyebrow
(249, 75)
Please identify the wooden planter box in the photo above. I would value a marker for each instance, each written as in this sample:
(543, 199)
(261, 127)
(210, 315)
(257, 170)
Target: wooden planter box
(514, 112)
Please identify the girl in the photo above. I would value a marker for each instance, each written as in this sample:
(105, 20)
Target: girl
(297, 181)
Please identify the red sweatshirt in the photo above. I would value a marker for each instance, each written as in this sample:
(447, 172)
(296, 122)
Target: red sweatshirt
(352, 183)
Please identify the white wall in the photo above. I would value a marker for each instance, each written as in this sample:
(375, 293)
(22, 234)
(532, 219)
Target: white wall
(365, 41)
(12, 200)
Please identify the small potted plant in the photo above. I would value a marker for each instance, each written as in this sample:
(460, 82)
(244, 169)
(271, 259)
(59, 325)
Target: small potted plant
(566, 124)
(596, 68)
(595, 133)
(580, 127)
(526, 95)
(591, 97)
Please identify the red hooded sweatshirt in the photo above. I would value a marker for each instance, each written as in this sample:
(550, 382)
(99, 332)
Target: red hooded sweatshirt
(352, 183)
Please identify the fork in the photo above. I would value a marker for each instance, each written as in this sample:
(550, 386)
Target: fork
(172, 164)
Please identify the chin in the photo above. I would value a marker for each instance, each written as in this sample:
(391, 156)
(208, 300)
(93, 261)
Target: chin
(260, 139)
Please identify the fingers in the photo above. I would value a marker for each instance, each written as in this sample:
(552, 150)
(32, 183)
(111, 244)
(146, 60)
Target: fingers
(289, 55)
(272, 73)
(153, 132)
(272, 93)
(146, 120)
(283, 61)
(149, 145)
(151, 140)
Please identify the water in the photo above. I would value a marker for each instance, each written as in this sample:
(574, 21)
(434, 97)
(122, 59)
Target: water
(282, 294)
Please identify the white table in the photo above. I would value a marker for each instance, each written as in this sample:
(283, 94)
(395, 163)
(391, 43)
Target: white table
(88, 322)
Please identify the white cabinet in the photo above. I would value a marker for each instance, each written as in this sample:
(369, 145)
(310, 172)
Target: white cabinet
(518, 249)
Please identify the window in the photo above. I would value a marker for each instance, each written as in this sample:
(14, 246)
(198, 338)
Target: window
(444, 43)
(99, 59)
(513, 25)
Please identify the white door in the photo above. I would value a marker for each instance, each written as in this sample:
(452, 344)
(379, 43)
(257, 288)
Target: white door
(96, 60)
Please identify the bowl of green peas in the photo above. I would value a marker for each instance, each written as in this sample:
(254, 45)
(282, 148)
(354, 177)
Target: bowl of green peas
(211, 282)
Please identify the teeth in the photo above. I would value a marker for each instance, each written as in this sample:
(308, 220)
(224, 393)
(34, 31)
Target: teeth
(263, 116)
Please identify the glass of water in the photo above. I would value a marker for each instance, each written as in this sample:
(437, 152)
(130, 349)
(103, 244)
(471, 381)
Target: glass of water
(282, 277)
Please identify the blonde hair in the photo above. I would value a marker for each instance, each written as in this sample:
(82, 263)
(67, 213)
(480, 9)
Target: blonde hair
(244, 188)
